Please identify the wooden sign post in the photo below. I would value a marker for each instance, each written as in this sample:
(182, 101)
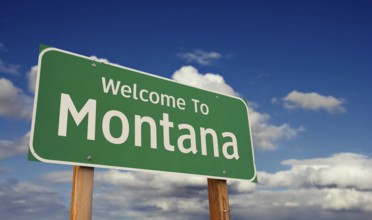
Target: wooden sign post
(218, 199)
(82, 193)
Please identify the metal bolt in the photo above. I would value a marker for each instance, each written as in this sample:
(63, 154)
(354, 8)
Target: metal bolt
(224, 171)
(217, 97)
(224, 210)
(89, 157)
(93, 65)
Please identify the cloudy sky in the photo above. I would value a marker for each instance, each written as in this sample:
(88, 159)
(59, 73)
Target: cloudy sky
(304, 67)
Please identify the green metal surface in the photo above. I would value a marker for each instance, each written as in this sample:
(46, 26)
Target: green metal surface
(81, 79)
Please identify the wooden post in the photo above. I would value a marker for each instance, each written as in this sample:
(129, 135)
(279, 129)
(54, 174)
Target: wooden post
(82, 193)
(218, 200)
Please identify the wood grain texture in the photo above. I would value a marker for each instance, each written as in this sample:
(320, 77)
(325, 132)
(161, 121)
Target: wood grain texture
(218, 200)
(82, 193)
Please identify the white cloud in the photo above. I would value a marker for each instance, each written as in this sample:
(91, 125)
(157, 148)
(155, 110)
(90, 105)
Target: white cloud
(147, 203)
(102, 60)
(343, 170)
(311, 188)
(200, 56)
(163, 183)
(13, 102)
(190, 76)
(265, 135)
(9, 68)
(313, 101)
(308, 203)
(143, 195)
(31, 76)
(30, 201)
(149, 195)
(239, 187)
(13, 148)
(275, 204)
(58, 177)
(347, 199)
(131, 179)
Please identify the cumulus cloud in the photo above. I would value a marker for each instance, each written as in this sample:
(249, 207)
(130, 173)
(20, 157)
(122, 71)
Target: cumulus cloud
(130, 179)
(276, 204)
(311, 188)
(13, 148)
(143, 195)
(240, 187)
(58, 177)
(341, 170)
(265, 135)
(317, 188)
(9, 68)
(121, 203)
(102, 60)
(30, 201)
(313, 101)
(13, 102)
(149, 195)
(347, 199)
(160, 182)
(308, 203)
(31, 76)
(201, 57)
(189, 75)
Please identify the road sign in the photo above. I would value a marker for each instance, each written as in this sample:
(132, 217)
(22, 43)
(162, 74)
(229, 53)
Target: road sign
(91, 113)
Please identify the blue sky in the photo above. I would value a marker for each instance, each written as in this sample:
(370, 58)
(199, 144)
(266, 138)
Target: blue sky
(304, 67)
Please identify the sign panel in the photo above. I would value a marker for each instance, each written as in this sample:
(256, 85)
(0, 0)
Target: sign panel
(91, 113)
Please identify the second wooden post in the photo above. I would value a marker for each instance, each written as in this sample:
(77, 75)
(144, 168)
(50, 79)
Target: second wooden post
(218, 199)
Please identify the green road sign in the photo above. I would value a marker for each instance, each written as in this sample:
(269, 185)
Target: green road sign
(91, 113)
